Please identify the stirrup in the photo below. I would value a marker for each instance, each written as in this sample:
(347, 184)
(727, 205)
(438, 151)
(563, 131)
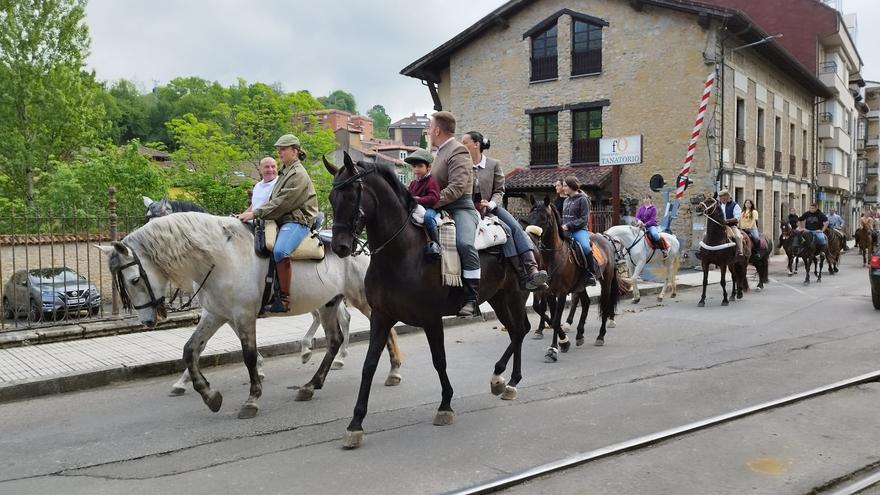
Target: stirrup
(469, 309)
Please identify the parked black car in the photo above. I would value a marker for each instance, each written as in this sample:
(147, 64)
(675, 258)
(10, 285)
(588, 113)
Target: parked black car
(55, 292)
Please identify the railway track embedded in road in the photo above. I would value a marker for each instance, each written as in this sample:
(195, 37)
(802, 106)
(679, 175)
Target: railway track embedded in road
(651, 439)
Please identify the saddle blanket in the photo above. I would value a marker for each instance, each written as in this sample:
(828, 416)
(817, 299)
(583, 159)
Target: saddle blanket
(664, 244)
(450, 264)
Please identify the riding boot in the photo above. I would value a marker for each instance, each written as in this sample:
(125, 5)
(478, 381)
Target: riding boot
(284, 275)
(590, 269)
(432, 249)
(471, 287)
(535, 279)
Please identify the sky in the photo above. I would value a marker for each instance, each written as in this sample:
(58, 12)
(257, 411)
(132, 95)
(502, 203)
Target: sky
(319, 46)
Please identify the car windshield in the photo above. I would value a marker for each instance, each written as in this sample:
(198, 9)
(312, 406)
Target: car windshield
(56, 276)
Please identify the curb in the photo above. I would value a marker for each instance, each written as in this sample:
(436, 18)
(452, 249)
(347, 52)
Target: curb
(75, 381)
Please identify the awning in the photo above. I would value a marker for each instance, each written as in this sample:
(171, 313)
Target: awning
(539, 179)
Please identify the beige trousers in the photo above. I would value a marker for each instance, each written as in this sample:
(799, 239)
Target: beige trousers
(737, 237)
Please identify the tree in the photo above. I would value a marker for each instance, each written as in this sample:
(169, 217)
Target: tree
(49, 106)
(381, 121)
(128, 111)
(340, 100)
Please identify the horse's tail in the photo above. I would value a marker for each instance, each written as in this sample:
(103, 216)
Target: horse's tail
(611, 294)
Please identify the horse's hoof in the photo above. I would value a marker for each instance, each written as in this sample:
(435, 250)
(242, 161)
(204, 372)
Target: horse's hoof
(725, 303)
(566, 327)
(498, 384)
(393, 379)
(806, 282)
(304, 394)
(537, 335)
(337, 364)
(701, 304)
(612, 324)
(564, 346)
(444, 418)
(551, 356)
(353, 439)
(579, 342)
(176, 391)
(599, 343)
(672, 296)
(739, 295)
(509, 393)
(261, 374)
(248, 410)
(214, 401)
(636, 301)
(306, 355)
(659, 299)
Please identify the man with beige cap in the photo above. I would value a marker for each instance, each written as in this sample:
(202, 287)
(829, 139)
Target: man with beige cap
(732, 213)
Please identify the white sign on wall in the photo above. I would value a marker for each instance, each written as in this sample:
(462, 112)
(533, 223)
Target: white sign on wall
(620, 151)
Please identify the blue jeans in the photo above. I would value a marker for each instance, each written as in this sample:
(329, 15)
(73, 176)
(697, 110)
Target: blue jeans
(582, 236)
(654, 233)
(466, 221)
(430, 220)
(290, 235)
(820, 238)
(520, 242)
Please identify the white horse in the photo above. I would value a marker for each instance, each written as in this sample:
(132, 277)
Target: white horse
(183, 249)
(631, 243)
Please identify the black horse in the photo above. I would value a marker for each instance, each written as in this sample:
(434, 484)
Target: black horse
(760, 259)
(165, 206)
(806, 247)
(402, 286)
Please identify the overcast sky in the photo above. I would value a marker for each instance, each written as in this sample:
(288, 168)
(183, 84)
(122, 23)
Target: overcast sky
(358, 46)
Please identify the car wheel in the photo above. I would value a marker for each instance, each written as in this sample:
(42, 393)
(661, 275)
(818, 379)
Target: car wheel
(60, 314)
(8, 313)
(36, 312)
(94, 311)
(875, 296)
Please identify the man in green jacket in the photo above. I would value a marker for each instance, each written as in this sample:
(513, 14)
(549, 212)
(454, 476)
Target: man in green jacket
(293, 205)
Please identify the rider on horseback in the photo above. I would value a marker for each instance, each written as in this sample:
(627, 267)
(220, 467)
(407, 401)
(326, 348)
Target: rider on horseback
(748, 222)
(647, 217)
(293, 205)
(575, 221)
(426, 192)
(816, 222)
(732, 213)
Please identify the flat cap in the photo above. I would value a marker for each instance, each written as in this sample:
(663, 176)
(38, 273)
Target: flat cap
(419, 156)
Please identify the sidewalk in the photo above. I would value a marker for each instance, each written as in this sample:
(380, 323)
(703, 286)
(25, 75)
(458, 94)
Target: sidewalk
(59, 367)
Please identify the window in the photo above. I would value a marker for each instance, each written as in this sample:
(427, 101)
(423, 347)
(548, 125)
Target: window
(738, 195)
(586, 131)
(402, 155)
(740, 156)
(586, 48)
(791, 139)
(777, 135)
(760, 127)
(544, 55)
(545, 134)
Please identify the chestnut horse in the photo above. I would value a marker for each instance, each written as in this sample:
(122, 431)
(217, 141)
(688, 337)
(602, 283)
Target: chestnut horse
(866, 242)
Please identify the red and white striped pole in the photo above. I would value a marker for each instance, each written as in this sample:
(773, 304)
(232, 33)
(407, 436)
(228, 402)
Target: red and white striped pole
(692, 145)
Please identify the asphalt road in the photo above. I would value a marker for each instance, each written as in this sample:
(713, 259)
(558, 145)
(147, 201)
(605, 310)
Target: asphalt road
(663, 366)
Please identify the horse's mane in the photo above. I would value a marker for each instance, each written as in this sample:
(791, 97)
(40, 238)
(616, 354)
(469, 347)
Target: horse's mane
(558, 219)
(390, 176)
(175, 243)
(178, 206)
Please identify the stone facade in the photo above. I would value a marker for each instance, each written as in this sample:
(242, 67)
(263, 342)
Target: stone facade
(653, 73)
(870, 142)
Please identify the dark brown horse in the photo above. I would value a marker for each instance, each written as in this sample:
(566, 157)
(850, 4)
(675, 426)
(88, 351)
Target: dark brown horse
(786, 238)
(760, 259)
(402, 286)
(866, 242)
(566, 277)
(836, 242)
(717, 249)
(806, 247)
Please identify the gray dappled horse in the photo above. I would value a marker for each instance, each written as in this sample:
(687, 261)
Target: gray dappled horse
(165, 206)
(183, 248)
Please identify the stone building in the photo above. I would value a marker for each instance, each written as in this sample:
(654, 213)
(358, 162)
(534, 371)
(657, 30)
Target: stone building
(411, 130)
(869, 137)
(546, 79)
(334, 120)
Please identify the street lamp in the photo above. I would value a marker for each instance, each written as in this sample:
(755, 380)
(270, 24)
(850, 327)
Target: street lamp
(719, 179)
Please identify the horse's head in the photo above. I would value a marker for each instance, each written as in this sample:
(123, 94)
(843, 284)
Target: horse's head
(800, 241)
(785, 229)
(157, 209)
(137, 283)
(541, 215)
(707, 207)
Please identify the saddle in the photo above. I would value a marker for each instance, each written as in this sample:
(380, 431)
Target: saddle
(311, 248)
(576, 252)
(651, 245)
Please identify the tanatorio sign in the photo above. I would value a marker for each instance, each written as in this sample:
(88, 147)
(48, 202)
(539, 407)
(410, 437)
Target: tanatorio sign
(620, 151)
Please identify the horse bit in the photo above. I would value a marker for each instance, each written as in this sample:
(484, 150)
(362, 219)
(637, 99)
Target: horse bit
(157, 303)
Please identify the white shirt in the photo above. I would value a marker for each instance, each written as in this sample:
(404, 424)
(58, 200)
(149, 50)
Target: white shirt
(262, 191)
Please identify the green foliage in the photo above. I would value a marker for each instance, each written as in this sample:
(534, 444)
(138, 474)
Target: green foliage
(340, 100)
(381, 121)
(423, 141)
(49, 107)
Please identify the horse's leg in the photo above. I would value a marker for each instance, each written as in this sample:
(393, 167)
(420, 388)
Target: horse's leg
(206, 328)
(380, 327)
(509, 309)
(306, 343)
(344, 317)
(807, 269)
(564, 342)
(396, 356)
(724, 268)
(636, 273)
(790, 272)
(247, 332)
(571, 311)
(558, 304)
(434, 333)
(539, 304)
(702, 302)
(821, 267)
(585, 310)
(330, 321)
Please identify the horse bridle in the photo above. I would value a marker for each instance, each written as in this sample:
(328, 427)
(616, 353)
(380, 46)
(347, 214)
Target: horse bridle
(357, 224)
(157, 303)
(706, 213)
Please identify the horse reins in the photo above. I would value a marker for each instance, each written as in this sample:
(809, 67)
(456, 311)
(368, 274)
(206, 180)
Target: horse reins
(156, 303)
